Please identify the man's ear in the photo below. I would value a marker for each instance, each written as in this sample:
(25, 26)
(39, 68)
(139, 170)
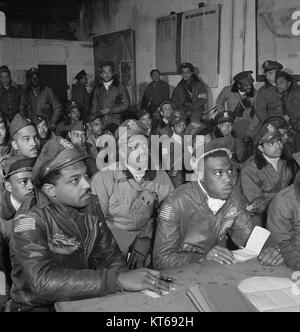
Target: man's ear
(261, 149)
(49, 190)
(8, 186)
(14, 145)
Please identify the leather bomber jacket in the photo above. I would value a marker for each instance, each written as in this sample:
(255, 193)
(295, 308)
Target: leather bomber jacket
(59, 255)
(187, 229)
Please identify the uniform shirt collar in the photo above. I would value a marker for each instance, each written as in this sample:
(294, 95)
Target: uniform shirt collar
(108, 84)
(273, 162)
(15, 203)
(214, 204)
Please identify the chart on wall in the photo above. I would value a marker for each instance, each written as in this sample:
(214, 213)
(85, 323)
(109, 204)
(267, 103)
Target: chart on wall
(166, 44)
(278, 33)
(118, 47)
(200, 42)
(192, 36)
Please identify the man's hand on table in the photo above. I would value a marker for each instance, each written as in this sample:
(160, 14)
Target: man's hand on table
(143, 279)
(271, 257)
(220, 255)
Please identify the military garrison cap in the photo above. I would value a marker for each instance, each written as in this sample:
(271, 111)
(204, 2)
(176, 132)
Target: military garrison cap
(19, 122)
(80, 75)
(224, 117)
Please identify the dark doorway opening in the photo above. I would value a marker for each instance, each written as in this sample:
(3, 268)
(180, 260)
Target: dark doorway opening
(55, 76)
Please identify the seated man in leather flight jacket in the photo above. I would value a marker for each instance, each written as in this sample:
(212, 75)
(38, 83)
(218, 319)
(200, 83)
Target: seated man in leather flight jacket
(61, 247)
(284, 221)
(196, 218)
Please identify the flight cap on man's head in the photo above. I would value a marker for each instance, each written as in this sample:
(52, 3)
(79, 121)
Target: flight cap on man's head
(19, 122)
(270, 65)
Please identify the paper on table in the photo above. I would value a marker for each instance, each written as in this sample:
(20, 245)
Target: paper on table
(254, 246)
(156, 296)
(151, 294)
(271, 294)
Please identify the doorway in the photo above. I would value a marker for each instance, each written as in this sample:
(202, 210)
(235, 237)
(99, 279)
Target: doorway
(55, 76)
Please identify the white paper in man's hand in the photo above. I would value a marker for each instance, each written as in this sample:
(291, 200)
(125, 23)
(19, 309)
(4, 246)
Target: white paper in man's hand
(2, 284)
(254, 246)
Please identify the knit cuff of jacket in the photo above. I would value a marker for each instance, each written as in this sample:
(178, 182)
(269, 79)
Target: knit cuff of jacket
(112, 284)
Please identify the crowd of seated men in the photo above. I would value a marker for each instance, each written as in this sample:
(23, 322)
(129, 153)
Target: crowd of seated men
(92, 204)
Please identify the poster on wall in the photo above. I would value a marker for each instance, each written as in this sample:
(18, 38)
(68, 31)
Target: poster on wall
(200, 42)
(166, 44)
(278, 34)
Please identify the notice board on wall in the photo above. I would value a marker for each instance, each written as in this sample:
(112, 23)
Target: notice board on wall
(278, 34)
(166, 43)
(192, 36)
(200, 42)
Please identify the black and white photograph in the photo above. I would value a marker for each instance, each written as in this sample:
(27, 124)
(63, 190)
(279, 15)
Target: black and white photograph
(149, 159)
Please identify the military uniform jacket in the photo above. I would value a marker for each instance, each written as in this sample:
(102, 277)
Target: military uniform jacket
(284, 223)
(292, 105)
(268, 103)
(81, 96)
(261, 185)
(187, 229)
(116, 98)
(10, 101)
(227, 100)
(197, 105)
(155, 94)
(45, 104)
(61, 255)
(118, 190)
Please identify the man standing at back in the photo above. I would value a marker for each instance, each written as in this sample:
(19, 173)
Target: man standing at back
(190, 94)
(111, 97)
(38, 99)
(269, 100)
(80, 93)
(156, 92)
(10, 94)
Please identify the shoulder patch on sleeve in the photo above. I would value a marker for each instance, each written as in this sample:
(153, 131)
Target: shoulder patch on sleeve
(165, 212)
(24, 224)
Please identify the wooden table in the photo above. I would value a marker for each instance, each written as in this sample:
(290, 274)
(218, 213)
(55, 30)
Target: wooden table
(205, 273)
